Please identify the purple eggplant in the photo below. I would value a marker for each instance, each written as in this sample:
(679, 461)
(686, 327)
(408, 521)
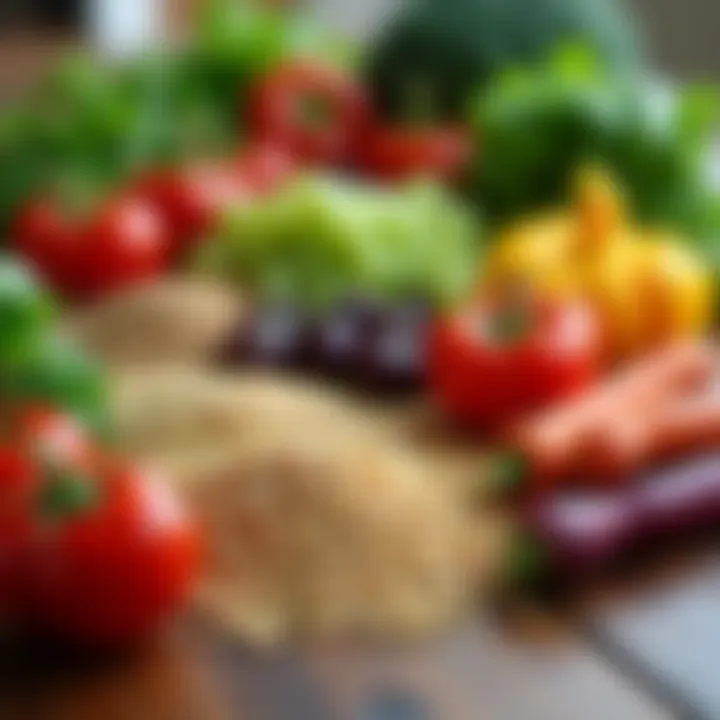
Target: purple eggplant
(582, 533)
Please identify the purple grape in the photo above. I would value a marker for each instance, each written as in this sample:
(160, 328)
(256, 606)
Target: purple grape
(276, 335)
(340, 337)
(395, 359)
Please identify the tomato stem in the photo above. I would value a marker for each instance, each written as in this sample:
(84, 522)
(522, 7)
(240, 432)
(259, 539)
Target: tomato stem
(68, 494)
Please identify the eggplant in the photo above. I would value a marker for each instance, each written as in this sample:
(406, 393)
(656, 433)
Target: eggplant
(584, 533)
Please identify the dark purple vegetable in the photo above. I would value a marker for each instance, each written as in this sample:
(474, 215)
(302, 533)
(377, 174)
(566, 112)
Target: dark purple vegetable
(371, 343)
(340, 338)
(276, 335)
(396, 358)
(582, 533)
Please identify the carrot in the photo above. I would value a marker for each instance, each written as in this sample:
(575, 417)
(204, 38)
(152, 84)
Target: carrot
(558, 444)
(681, 428)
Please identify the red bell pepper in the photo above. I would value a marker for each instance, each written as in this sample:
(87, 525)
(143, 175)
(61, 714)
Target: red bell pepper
(497, 360)
(314, 112)
(398, 152)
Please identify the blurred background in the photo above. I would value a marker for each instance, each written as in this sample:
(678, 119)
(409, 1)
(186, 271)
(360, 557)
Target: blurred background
(682, 35)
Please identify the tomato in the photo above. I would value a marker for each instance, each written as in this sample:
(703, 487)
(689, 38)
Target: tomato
(191, 199)
(315, 112)
(110, 575)
(44, 236)
(124, 243)
(19, 485)
(397, 153)
(86, 255)
(18, 481)
(17, 540)
(53, 439)
(490, 363)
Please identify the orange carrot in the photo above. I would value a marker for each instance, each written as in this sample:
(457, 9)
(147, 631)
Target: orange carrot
(558, 444)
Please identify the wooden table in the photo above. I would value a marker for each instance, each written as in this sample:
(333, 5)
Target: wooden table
(192, 674)
(648, 654)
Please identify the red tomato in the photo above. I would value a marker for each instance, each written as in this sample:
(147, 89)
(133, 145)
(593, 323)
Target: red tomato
(316, 113)
(53, 439)
(17, 541)
(111, 575)
(265, 167)
(19, 485)
(46, 238)
(485, 377)
(192, 198)
(397, 153)
(122, 242)
(18, 481)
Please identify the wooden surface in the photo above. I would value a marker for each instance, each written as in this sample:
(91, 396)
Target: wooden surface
(193, 674)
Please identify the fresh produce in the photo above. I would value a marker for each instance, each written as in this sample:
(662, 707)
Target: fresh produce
(274, 335)
(59, 374)
(570, 536)
(37, 366)
(681, 428)
(107, 122)
(52, 439)
(534, 128)
(87, 254)
(95, 550)
(647, 287)
(556, 446)
(373, 344)
(238, 42)
(499, 359)
(18, 487)
(433, 57)
(397, 152)
(395, 358)
(26, 312)
(114, 569)
(315, 112)
(321, 239)
(191, 199)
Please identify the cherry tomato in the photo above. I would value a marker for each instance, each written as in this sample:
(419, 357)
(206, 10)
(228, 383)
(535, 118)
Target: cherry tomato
(110, 575)
(397, 153)
(192, 198)
(87, 255)
(490, 364)
(124, 243)
(316, 113)
(45, 236)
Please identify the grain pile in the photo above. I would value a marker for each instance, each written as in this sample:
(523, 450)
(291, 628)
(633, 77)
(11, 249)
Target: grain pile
(321, 520)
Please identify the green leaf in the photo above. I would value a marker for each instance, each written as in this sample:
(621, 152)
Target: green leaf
(698, 112)
(576, 62)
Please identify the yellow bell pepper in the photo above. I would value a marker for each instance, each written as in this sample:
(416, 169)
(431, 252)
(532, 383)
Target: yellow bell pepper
(646, 287)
